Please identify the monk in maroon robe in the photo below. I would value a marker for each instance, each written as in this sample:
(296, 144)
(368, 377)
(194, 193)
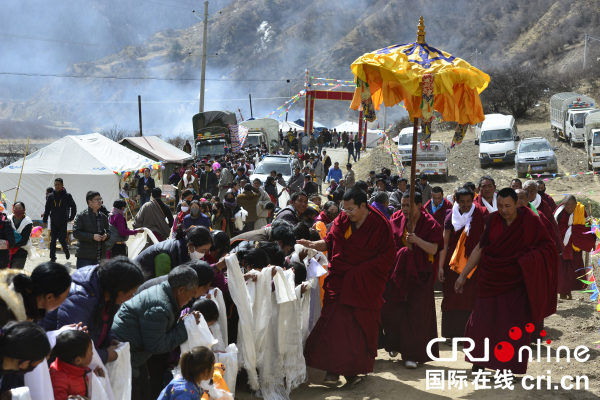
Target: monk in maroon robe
(545, 196)
(361, 251)
(486, 201)
(457, 307)
(517, 282)
(437, 207)
(577, 238)
(408, 315)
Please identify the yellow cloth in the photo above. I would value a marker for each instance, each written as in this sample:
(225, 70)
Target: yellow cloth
(578, 219)
(218, 380)
(394, 76)
(431, 257)
(322, 229)
(348, 232)
(459, 259)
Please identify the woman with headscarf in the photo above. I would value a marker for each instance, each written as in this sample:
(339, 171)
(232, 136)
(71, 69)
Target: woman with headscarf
(22, 225)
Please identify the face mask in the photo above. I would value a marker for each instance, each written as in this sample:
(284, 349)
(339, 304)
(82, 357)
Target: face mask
(19, 213)
(195, 211)
(214, 212)
(331, 215)
(185, 209)
(194, 255)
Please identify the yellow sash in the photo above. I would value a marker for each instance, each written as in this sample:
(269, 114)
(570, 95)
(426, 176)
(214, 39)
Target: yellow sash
(578, 219)
(459, 259)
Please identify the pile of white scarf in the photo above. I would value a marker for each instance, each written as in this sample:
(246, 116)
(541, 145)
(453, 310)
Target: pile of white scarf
(462, 220)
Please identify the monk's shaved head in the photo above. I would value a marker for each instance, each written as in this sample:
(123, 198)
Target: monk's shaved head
(570, 204)
(570, 198)
(522, 196)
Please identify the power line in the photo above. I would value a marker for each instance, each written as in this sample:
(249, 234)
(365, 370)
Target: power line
(146, 101)
(168, 5)
(189, 4)
(143, 78)
(54, 40)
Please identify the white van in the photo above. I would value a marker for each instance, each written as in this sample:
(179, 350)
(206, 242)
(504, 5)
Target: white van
(498, 140)
(404, 140)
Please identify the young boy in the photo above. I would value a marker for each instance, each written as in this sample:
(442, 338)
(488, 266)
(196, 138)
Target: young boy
(68, 372)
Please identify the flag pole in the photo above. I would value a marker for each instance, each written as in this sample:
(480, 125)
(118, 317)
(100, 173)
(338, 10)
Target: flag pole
(22, 166)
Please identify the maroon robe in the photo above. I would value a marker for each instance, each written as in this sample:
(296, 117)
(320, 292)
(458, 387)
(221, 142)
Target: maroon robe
(571, 262)
(440, 217)
(344, 340)
(517, 286)
(457, 307)
(408, 315)
(548, 199)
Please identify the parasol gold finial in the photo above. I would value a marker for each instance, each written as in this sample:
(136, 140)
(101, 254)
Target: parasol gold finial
(421, 31)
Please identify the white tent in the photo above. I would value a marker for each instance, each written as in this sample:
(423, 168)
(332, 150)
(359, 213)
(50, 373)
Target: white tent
(84, 163)
(372, 134)
(285, 126)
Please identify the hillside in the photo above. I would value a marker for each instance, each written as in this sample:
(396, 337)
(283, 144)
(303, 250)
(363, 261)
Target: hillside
(261, 44)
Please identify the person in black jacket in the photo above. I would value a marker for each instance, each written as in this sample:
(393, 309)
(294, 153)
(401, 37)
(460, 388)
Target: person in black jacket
(7, 239)
(144, 187)
(61, 209)
(208, 181)
(91, 229)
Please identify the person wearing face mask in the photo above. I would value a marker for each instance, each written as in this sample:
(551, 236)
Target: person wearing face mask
(184, 210)
(218, 220)
(94, 298)
(22, 226)
(230, 208)
(195, 217)
(159, 259)
(23, 346)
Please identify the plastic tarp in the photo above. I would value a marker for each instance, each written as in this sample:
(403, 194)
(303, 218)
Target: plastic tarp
(158, 149)
(352, 127)
(84, 162)
(300, 121)
(286, 126)
(227, 117)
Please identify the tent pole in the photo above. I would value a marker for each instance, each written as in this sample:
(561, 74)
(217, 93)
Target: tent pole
(410, 226)
(23, 166)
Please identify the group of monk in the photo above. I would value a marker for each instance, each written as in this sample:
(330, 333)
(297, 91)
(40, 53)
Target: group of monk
(503, 257)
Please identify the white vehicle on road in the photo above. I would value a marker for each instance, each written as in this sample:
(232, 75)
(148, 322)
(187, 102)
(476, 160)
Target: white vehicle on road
(498, 140)
(404, 140)
(433, 160)
(567, 114)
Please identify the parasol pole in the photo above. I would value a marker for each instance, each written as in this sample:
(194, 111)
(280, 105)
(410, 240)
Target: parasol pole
(410, 227)
(22, 166)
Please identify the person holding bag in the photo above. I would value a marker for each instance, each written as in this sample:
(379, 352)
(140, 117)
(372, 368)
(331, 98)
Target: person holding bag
(119, 232)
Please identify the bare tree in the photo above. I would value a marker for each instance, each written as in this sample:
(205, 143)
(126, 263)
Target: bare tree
(116, 133)
(178, 140)
(14, 150)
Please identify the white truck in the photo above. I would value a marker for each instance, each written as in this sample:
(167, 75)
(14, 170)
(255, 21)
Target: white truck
(567, 113)
(262, 131)
(404, 140)
(592, 139)
(432, 160)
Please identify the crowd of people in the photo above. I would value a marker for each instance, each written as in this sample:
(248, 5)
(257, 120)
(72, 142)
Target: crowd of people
(315, 283)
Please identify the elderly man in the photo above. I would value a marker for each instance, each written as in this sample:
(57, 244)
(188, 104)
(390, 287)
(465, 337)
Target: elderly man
(462, 230)
(150, 323)
(486, 200)
(536, 200)
(571, 218)
(517, 281)
(350, 176)
(408, 314)
(361, 252)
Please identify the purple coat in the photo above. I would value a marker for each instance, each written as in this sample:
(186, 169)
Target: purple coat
(84, 303)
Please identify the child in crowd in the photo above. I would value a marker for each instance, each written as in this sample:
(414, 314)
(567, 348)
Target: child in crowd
(208, 309)
(197, 368)
(68, 372)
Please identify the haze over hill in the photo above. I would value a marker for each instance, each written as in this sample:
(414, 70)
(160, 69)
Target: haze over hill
(263, 43)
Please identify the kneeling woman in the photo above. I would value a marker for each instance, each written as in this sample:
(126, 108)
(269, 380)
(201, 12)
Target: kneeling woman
(160, 258)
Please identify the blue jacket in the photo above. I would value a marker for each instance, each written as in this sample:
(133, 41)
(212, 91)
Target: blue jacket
(335, 174)
(180, 389)
(83, 304)
(149, 322)
(202, 220)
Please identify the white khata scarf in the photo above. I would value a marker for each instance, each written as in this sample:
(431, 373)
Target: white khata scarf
(493, 207)
(568, 232)
(185, 181)
(538, 200)
(462, 220)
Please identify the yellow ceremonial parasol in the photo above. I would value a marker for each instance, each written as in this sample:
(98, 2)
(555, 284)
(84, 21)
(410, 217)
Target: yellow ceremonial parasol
(425, 79)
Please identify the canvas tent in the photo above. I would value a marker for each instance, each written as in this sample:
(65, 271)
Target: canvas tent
(286, 126)
(155, 148)
(372, 134)
(84, 162)
(316, 126)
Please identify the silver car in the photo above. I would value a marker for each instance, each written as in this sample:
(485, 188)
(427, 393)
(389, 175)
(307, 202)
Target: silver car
(537, 153)
(283, 164)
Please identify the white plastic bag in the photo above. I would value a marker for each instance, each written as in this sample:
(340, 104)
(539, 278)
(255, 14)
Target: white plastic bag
(283, 198)
(229, 359)
(140, 242)
(119, 373)
(21, 393)
(240, 218)
(198, 334)
(97, 389)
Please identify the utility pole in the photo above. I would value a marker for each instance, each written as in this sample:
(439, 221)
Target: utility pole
(586, 40)
(140, 112)
(204, 40)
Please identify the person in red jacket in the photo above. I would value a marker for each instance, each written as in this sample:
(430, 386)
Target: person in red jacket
(69, 371)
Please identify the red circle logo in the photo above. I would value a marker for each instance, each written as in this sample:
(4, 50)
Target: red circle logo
(504, 351)
(515, 333)
(542, 333)
(529, 328)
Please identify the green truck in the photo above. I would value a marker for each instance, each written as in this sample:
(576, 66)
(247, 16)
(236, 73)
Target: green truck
(211, 132)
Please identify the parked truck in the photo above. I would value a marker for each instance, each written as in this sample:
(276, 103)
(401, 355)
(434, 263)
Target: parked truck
(592, 139)
(263, 131)
(433, 160)
(567, 113)
(211, 132)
